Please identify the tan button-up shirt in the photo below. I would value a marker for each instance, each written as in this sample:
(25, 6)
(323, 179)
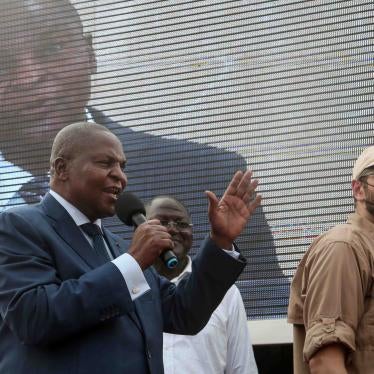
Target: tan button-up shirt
(332, 296)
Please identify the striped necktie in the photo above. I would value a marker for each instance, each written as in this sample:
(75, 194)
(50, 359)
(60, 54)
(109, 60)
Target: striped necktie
(94, 232)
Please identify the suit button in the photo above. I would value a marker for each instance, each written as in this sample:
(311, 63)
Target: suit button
(149, 354)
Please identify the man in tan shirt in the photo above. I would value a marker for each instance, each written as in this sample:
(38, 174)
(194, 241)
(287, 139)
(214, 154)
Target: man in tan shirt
(332, 295)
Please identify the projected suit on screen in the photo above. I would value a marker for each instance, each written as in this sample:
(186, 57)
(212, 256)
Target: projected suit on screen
(46, 63)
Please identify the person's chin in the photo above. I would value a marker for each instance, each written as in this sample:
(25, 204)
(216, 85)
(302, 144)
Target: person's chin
(179, 251)
(107, 210)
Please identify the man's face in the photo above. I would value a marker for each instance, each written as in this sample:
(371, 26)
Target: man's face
(94, 175)
(45, 71)
(167, 210)
(368, 185)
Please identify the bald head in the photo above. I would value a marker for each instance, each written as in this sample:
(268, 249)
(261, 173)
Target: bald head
(74, 138)
(87, 168)
(165, 201)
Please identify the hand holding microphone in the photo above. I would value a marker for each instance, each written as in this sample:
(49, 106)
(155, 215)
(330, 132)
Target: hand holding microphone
(149, 241)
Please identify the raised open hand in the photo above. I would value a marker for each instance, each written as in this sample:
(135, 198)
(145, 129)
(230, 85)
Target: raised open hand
(229, 215)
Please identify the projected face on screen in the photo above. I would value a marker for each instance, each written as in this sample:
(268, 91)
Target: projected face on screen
(45, 71)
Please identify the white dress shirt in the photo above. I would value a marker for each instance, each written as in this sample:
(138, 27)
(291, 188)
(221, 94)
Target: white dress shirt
(222, 347)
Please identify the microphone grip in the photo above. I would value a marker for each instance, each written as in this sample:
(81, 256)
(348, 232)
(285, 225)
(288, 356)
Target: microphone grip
(138, 219)
(168, 257)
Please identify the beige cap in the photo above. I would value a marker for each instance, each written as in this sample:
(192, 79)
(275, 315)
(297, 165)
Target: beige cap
(365, 160)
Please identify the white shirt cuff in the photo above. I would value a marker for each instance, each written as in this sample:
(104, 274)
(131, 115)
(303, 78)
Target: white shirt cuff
(132, 274)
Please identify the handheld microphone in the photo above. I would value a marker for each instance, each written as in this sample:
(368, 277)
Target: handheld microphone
(130, 210)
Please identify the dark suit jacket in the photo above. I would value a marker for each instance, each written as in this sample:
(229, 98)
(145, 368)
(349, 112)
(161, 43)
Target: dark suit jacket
(159, 166)
(65, 312)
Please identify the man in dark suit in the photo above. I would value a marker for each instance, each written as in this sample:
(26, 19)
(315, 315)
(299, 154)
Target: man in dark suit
(72, 301)
(46, 65)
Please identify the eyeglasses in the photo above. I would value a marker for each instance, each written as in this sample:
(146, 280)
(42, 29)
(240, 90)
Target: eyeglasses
(180, 225)
(364, 181)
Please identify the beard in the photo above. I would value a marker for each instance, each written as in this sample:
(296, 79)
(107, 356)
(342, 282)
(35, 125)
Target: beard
(369, 200)
(370, 207)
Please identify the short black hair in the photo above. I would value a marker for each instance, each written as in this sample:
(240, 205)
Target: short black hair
(170, 197)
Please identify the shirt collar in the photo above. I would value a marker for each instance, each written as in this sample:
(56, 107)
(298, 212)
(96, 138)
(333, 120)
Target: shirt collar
(186, 270)
(362, 223)
(78, 217)
(89, 117)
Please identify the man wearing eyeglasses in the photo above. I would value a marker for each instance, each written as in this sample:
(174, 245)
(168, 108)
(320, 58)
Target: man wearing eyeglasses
(224, 345)
(331, 303)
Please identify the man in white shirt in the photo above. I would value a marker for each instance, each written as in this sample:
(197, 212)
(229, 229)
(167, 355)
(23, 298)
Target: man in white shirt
(224, 345)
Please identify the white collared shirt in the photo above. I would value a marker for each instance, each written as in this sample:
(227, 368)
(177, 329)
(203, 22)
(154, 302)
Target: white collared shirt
(79, 218)
(223, 346)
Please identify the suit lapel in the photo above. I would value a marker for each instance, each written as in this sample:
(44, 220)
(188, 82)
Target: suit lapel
(69, 232)
(66, 228)
(114, 243)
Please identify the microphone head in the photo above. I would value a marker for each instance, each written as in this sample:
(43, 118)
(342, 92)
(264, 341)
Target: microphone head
(127, 206)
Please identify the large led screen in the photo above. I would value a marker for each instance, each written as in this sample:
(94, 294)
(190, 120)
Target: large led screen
(196, 90)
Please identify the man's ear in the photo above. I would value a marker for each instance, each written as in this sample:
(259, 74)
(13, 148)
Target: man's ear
(358, 190)
(91, 52)
(60, 169)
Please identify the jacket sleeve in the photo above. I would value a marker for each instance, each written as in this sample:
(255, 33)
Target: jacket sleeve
(187, 307)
